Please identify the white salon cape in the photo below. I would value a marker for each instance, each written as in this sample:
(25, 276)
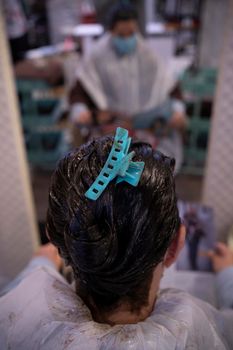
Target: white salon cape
(43, 312)
(129, 84)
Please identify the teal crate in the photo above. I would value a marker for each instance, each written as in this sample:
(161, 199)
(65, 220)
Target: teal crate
(198, 89)
(200, 83)
(36, 111)
(45, 113)
(25, 89)
(45, 148)
(195, 148)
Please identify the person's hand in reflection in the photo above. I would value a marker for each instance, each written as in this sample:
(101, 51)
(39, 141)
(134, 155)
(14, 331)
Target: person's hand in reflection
(221, 257)
(178, 121)
(83, 118)
(50, 252)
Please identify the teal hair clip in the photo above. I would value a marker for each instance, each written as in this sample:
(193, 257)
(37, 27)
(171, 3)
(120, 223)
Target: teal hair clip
(119, 165)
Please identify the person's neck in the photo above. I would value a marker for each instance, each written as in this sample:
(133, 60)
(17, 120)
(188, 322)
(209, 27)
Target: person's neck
(124, 315)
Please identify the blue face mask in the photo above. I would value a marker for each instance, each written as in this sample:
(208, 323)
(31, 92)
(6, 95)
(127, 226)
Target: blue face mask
(124, 46)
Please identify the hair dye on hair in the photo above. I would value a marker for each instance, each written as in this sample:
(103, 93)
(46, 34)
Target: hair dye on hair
(114, 243)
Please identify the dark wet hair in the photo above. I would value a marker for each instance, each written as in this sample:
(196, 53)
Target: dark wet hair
(121, 11)
(113, 243)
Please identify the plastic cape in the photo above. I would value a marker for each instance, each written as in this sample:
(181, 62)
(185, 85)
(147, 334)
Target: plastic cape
(43, 312)
(129, 84)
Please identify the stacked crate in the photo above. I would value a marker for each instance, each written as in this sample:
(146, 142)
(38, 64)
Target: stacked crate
(45, 142)
(198, 89)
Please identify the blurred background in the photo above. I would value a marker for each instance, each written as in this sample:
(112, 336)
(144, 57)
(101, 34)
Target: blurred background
(42, 46)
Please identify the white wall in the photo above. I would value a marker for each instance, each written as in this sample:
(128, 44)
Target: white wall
(18, 232)
(218, 186)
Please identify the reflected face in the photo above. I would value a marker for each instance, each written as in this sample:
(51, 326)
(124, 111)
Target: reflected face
(125, 29)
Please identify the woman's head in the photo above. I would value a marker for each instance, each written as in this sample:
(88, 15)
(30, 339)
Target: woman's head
(122, 18)
(123, 26)
(114, 243)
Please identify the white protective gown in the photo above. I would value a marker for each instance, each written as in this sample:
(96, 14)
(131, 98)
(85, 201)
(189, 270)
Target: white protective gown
(43, 312)
(129, 84)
